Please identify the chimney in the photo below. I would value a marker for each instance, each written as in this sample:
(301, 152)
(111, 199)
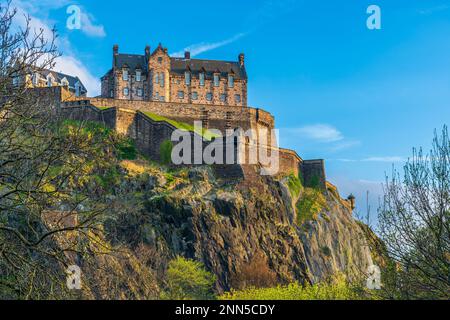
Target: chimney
(187, 55)
(115, 53)
(351, 198)
(147, 53)
(241, 59)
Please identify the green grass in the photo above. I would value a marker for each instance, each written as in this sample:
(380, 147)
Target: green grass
(311, 203)
(205, 133)
(104, 108)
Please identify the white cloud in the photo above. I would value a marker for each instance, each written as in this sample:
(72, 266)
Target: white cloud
(389, 159)
(320, 132)
(385, 159)
(199, 48)
(68, 63)
(88, 26)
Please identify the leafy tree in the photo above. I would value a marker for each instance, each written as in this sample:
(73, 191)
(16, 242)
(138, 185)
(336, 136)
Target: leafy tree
(188, 280)
(414, 224)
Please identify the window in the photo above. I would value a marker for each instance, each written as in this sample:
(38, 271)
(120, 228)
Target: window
(156, 96)
(194, 95)
(230, 81)
(35, 79)
(156, 78)
(126, 91)
(162, 98)
(209, 96)
(77, 90)
(216, 80)
(111, 93)
(125, 75)
(237, 98)
(223, 97)
(180, 95)
(138, 76)
(161, 79)
(159, 60)
(49, 80)
(187, 78)
(202, 78)
(139, 92)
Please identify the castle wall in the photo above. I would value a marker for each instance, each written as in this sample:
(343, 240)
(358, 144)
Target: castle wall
(313, 173)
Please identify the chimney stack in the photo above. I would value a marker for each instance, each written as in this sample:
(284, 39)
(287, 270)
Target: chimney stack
(115, 53)
(241, 59)
(187, 55)
(147, 53)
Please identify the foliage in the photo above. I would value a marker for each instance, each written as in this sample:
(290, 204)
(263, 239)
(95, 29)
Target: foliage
(415, 225)
(165, 150)
(337, 288)
(310, 204)
(188, 280)
(205, 133)
(294, 184)
(255, 274)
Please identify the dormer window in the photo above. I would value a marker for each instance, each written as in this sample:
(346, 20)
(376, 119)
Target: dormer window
(138, 76)
(216, 80)
(230, 81)
(187, 78)
(64, 82)
(35, 79)
(202, 78)
(49, 80)
(125, 75)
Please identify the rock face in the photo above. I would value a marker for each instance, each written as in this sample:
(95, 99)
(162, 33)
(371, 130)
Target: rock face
(226, 225)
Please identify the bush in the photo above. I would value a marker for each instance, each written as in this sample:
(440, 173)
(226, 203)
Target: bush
(256, 274)
(336, 289)
(294, 184)
(188, 280)
(165, 150)
(310, 205)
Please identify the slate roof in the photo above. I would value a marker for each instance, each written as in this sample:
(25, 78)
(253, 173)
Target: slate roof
(180, 65)
(60, 76)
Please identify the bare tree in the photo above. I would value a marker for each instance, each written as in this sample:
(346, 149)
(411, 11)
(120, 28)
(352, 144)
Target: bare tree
(48, 212)
(414, 224)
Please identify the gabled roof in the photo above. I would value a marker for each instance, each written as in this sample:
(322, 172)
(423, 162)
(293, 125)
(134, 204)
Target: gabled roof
(58, 76)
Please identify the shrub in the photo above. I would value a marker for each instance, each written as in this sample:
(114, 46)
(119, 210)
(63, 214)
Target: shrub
(256, 274)
(337, 288)
(310, 205)
(165, 150)
(188, 280)
(127, 149)
(294, 185)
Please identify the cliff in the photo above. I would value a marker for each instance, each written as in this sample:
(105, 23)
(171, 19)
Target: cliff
(229, 225)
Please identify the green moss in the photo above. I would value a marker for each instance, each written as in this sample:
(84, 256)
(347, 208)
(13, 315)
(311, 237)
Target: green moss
(208, 135)
(165, 150)
(311, 203)
(294, 185)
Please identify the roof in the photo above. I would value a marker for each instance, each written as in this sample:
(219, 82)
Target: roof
(180, 65)
(60, 76)
(132, 61)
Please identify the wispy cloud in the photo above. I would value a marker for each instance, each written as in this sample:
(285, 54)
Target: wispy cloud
(68, 63)
(201, 47)
(320, 133)
(388, 159)
(88, 26)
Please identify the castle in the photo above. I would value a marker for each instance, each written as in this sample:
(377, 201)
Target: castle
(147, 97)
(155, 76)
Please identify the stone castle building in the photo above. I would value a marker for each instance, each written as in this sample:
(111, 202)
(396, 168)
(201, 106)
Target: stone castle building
(155, 76)
(44, 78)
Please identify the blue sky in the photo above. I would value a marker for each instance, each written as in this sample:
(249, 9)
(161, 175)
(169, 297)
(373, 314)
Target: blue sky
(359, 98)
